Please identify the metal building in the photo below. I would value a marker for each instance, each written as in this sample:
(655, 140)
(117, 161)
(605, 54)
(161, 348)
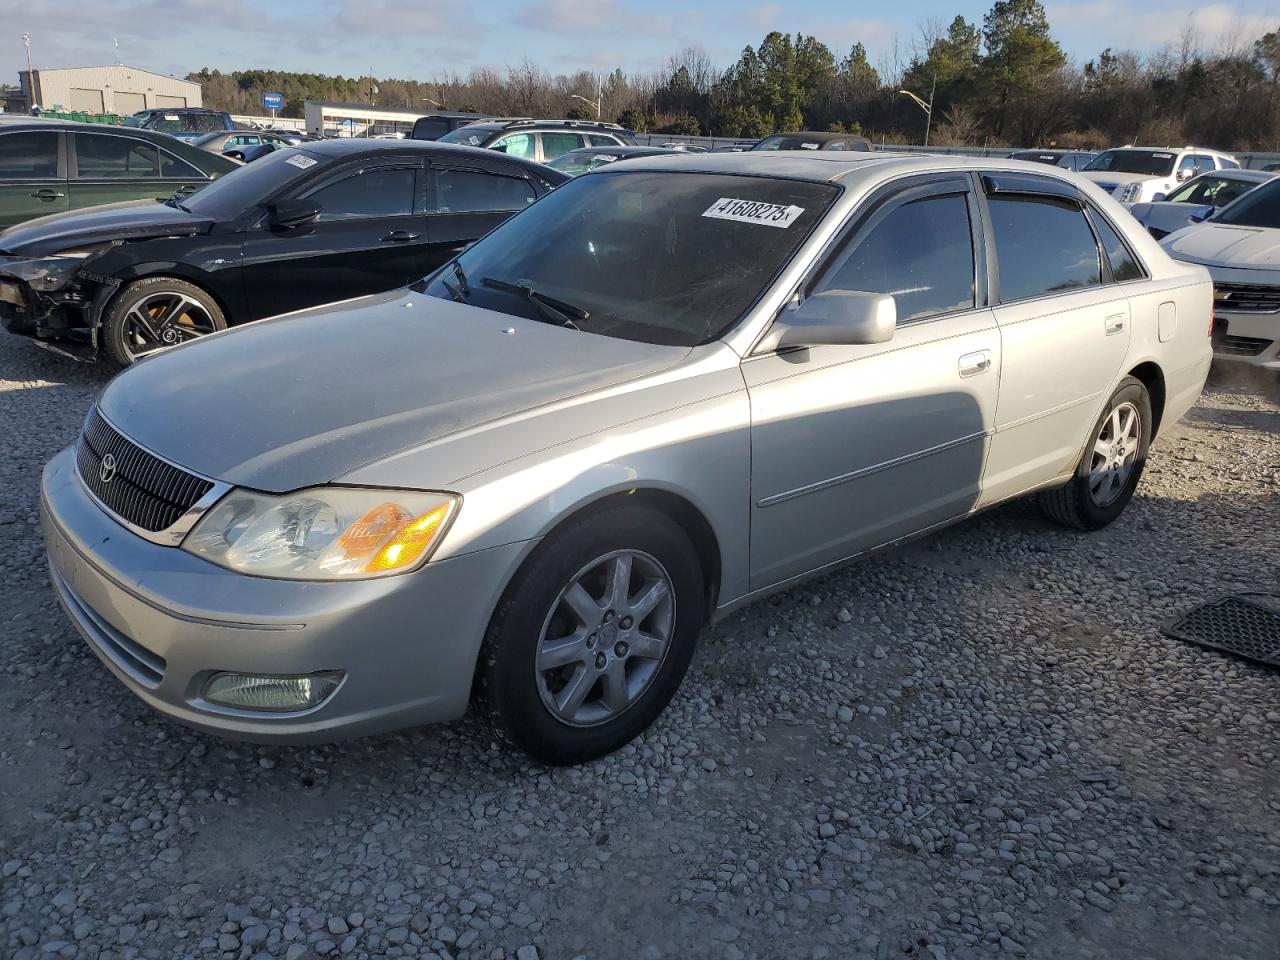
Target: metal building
(118, 88)
(327, 118)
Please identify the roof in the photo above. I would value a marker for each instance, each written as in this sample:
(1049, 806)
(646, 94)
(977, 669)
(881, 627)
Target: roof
(454, 115)
(112, 66)
(354, 146)
(366, 107)
(831, 166)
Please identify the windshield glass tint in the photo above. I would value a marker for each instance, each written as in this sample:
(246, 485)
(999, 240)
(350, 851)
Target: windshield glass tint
(1155, 163)
(237, 191)
(1257, 208)
(664, 258)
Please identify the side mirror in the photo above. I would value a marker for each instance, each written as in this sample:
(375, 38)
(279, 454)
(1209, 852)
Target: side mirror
(834, 317)
(1182, 175)
(1201, 215)
(1160, 198)
(288, 214)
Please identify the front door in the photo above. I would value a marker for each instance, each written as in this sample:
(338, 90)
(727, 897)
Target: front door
(371, 236)
(857, 446)
(1064, 326)
(111, 167)
(33, 177)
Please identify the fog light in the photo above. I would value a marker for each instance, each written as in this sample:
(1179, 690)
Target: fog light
(249, 692)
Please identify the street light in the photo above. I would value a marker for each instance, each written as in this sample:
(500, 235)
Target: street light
(926, 107)
(434, 103)
(590, 103)
(31, 80)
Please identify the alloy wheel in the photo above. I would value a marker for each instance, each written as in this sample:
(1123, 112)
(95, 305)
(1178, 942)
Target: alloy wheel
(164, 319)
(1115, 452)
(605, 638)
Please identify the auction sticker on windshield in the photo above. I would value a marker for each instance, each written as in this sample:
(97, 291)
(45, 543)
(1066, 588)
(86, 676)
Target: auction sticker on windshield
(753, 211)
(301, 162)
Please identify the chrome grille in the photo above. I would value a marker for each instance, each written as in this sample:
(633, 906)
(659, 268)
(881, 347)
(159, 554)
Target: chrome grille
(144, 490)
(1247, 297)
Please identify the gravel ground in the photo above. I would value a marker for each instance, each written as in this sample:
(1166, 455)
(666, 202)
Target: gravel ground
(980, 745)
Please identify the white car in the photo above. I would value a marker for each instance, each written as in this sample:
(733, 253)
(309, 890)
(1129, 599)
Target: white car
(1240, 244)
(1137, 174)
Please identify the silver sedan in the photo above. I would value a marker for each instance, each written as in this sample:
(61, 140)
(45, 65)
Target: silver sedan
(667, 389)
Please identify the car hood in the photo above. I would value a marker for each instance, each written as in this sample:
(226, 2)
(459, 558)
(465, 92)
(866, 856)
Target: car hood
(131, 220)
(1224, 245)
(302, 399)
(1109, 181)
(1169, 216)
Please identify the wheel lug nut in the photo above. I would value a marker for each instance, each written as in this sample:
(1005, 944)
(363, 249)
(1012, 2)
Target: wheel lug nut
(591, 640)
(608, 616)
(626, 623)
(601, 661)
(620, 649)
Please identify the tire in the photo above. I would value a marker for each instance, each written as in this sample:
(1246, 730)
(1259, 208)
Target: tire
(520, 701)
(147, 300)
(1091, 500)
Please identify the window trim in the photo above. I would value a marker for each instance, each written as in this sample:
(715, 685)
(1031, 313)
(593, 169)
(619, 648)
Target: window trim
(60, 166)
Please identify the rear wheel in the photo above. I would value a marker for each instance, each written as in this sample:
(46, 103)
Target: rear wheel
(1111, 466)
(157, 313)
(593, 636)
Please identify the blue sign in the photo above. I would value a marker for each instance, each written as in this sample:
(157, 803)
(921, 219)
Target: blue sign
(272, 101)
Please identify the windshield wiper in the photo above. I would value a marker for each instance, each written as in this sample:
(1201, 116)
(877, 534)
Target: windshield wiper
(175, 202)
(462, 278)
(554, 310)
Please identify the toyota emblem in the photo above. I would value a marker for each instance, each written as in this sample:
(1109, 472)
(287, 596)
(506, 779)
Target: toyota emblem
(107, 469)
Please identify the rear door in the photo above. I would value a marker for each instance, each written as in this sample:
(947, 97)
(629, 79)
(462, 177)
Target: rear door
(109, 167)
(371, 236)
(33, 175)
(1064, 329)
(556, 144)
(466, 202)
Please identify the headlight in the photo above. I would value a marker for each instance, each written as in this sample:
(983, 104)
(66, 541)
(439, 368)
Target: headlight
(324, 533)
(54, 270)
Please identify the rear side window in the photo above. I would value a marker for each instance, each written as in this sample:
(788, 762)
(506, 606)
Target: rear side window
(920, 252)
(557, 144)
(429, 128)
(1044, 245)
(516, 145)
(470, 191)
(171, 166)
(600, 140)
(115, 158)
(1123, 264)
(27, 155)
(384, 192)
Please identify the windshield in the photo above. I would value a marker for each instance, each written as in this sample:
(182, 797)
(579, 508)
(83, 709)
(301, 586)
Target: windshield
(237, 191)
(1257, 208)
(135, 120)
(1216, 190)
(575, 163)
(787, 142)
(471, 135)
(1154, 163)
(662, 258)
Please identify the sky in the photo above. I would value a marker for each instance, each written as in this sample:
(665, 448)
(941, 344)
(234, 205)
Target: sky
(423, 39)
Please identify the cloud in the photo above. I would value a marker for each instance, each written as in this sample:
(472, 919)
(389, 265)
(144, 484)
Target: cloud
(1112, 23)
(764, 18)
(872, 34)
(592, 17)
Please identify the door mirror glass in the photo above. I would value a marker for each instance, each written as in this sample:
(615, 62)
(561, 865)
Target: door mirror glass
(287, 214)
(835, 317)
(1159, 198)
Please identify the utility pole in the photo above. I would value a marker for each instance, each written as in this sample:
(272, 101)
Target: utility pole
(31, 78)
(926, 107)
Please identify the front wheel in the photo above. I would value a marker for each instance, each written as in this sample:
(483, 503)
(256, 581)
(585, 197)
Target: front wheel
(1111, 466)
(593, 636)
(157, 313)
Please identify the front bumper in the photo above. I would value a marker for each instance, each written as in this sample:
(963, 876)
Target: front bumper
(165, 621)
(1252, 338)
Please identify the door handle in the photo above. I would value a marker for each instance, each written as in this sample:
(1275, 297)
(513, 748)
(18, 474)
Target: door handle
(972, 364)
(1115, 325)
(47, 194)
(399, 236)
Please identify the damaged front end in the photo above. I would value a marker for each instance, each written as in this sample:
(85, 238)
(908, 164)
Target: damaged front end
(56, 299)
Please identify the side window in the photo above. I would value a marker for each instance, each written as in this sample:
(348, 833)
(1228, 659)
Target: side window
(24, 156)
(381, 192)
(470, 191)
(516, 145)
(204, 123)
(1226, 163)
(557, 144)
(920, 252)
(1043, 245)
(1124, 266)
(115, 158)
(600, 140)
(171, 166)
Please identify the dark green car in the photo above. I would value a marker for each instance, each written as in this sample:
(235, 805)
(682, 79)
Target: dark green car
(51, 166)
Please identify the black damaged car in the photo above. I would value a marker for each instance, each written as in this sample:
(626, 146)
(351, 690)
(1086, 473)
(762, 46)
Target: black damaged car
(303, 226)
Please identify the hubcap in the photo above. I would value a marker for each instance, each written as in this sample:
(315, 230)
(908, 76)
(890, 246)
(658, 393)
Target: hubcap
(1115, 451)
(163, 320)
(605, 638)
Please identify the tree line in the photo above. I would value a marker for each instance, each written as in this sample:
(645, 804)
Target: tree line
(1005, 81)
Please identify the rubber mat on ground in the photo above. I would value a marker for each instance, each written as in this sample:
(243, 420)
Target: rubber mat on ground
(1247, 625)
